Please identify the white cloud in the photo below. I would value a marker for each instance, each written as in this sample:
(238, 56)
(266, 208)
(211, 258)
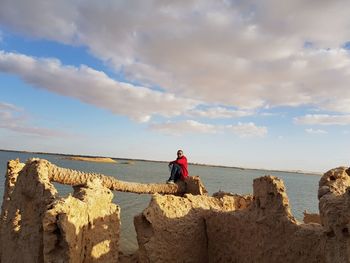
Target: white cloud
(8, 107)
(317, 131)
(219, 112)
(245, 54)
(94, 87)
(13, 119)
(191, 126)
(323, 119)
(247, 130)
(184, 127)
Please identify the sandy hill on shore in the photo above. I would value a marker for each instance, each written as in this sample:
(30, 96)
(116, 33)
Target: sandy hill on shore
(92, 159)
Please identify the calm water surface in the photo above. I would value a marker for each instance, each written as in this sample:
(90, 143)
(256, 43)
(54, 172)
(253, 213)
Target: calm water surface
(301, 188)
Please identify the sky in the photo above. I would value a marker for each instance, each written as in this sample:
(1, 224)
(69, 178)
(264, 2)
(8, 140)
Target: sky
(255, 84)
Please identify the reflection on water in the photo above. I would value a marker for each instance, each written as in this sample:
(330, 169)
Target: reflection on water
(301, 189)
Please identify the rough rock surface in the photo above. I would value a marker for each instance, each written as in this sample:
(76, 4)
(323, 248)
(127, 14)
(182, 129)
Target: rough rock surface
(311, 218)
(83, 227)
(334, 206)
(60, 175)
(172, 229)
(264, 232)
(210, 229)
(27, 196)
(37, 226)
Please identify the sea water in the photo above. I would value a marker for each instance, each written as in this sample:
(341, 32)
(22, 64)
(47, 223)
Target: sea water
(301, 188)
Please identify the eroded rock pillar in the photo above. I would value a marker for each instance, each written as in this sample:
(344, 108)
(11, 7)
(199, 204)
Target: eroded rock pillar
(334, 205)
(28, 193)
(83, 227)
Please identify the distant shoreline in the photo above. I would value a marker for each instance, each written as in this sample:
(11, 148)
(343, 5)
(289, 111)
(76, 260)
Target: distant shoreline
(91, 159)
(75, 156)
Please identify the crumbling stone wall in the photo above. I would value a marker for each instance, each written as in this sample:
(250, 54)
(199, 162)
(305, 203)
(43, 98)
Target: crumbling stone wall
(27, 196)
(173, 229)
(265, 232)
(334, 206)
(38, 226)
(311, 218)
(83, 227)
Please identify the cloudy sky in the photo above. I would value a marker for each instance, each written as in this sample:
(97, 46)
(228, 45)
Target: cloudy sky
(261, 84)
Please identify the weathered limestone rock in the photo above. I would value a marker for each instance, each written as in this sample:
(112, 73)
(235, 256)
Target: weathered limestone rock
(172, 229)
(192, 185)
(27, 195)
(264, 232)
(232, 202)
(36, 226)
(335, 181)
(311, 218)
(13, 169)
(334, 206)
(83, 227)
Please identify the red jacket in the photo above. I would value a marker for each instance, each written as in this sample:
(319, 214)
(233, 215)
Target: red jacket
(182, 161)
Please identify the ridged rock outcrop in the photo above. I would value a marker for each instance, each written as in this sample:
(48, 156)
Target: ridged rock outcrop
(27, 197)
(311, 218)
(265, 232)
(334, 206)
(60, 175)
(83, 227)
(173, 229)
(38, 226)
(209, 229)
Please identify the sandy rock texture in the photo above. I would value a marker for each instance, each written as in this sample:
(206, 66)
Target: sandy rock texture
(61, 175)
(173, 229)
(38, 226)
(28, 193)
(334, 206)
(232, 228)
(83, 227)
(264, 232)
(311, 218)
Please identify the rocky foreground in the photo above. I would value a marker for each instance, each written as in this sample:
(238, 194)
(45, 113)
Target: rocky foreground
(181, 224)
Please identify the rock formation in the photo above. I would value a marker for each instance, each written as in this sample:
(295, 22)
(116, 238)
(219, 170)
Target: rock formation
(83, 227)
(265, 232)
(311, 218)
(173, 229)
(72, 177)
(36, 225)
(201, 229)
(334, 206)
(26, 199)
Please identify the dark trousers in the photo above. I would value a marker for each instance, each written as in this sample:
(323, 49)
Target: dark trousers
(175, 173)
